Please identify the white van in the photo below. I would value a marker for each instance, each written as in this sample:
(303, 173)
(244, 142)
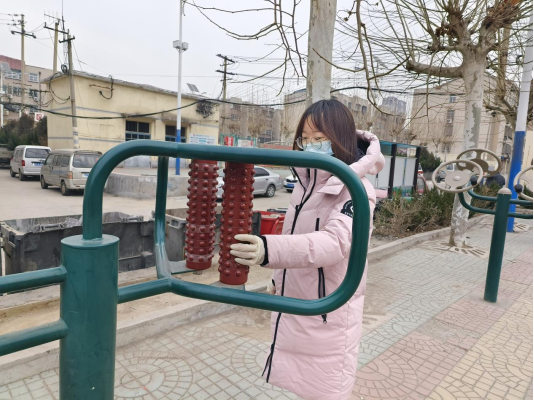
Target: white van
(27, 160)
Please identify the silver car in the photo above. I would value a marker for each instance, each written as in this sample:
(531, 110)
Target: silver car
(27, 160)
(265, 182)
(68, 169)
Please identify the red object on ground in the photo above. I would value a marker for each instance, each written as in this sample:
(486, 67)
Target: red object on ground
(236, 219)
(271, 223)
(200, 234)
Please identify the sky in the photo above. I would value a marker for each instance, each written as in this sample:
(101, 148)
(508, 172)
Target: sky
(132, 40)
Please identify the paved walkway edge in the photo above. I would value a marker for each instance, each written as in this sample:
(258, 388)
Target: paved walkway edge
(383, 251)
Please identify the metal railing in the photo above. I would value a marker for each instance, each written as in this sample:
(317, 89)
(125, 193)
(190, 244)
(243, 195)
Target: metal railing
(89, 273)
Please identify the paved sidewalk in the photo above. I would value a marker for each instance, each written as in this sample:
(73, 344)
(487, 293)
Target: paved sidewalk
(427, 335)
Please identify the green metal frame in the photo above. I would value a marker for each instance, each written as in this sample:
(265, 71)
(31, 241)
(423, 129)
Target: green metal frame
(89, 271)
(498, 236)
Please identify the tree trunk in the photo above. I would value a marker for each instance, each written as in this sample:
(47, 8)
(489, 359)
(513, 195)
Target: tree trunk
(320, 40)
(473, 76)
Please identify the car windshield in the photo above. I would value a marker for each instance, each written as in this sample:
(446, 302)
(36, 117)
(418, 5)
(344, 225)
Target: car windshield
(32, 153)
(85, 160)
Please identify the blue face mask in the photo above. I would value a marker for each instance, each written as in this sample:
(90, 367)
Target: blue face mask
(325, 149)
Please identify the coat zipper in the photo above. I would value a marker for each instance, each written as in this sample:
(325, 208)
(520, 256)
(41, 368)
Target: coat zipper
(322, 284)
(298, 208)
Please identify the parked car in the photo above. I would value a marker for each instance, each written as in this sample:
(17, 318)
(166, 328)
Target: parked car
(27, 160)
(5, 155)
(68, 169)
(266, 182)
(289, 182)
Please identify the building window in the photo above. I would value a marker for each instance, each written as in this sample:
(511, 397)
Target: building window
(350, 105)
(33, 77)
(170, 134)
(364, 109)
(233, 117)
(452, 99)
(137, 130)
(17, 91)
(34, 93)
(13, 74)
(450, 116)
(33, 110)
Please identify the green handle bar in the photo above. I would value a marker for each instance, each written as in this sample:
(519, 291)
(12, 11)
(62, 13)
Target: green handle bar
(494, 199)
(488, 211)
(92, 223)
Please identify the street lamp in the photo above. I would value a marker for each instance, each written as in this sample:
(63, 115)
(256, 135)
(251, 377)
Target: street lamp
(181, 47)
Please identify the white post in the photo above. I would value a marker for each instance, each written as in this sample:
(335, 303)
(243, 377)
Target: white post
(1, 101)
(521, 123)
(179, 94)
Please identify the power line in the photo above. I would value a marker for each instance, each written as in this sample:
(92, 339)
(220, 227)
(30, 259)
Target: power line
(225, 102)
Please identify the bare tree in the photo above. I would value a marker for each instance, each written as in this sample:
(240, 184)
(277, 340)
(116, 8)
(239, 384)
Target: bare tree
(257, 121)
(444, 39)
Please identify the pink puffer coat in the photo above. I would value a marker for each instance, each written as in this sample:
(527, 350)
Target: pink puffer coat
(316, 356)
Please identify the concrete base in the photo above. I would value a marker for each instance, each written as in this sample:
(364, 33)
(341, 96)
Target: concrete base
(143, 187)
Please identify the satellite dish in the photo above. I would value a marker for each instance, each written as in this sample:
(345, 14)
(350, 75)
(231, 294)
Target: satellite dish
(64, 69)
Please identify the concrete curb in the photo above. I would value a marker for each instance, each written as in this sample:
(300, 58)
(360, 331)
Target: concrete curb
(143, 186)
(44, 357)
(401, 244)
(33, 361)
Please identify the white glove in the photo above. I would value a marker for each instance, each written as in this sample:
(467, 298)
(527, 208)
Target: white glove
(248, 254)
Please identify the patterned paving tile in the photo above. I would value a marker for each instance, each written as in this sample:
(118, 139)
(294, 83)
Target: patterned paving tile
(409, 369)
(499, 365)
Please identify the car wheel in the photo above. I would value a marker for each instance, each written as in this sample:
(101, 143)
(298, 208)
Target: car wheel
(271, 190)
(44, 185)
(11, 172)
(22, 177)
(64, 190)
(289, 190)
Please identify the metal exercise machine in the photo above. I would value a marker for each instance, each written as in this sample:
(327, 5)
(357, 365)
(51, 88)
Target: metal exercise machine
(468, 173)
(88, 275)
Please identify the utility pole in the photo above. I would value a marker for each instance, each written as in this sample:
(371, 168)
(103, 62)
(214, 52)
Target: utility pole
(22, 34)
(69, 39)
(225, 72)
(521, 122)
(321, 41)
(181, 47)
(72, 95)
(56, 31)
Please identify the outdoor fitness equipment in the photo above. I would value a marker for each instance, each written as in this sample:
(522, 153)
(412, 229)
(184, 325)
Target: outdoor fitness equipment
(481, 162)
(89, 272)
(457, 182)
(518, 187)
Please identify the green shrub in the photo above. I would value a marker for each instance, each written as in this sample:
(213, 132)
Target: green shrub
(428, 161)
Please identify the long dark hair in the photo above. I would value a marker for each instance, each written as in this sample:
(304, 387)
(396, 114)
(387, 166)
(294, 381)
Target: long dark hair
(335, 120)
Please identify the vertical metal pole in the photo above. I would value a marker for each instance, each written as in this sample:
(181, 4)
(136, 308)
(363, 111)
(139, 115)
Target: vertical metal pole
(179, 95)
(88, 305)
(521, 123)
(498, 238)
(415, 174)
(392, 169)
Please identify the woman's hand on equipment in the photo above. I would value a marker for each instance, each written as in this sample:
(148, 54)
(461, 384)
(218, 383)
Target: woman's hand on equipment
(250, 254)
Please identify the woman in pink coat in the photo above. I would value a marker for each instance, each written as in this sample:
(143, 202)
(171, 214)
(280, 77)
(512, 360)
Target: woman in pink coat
(315, 357)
